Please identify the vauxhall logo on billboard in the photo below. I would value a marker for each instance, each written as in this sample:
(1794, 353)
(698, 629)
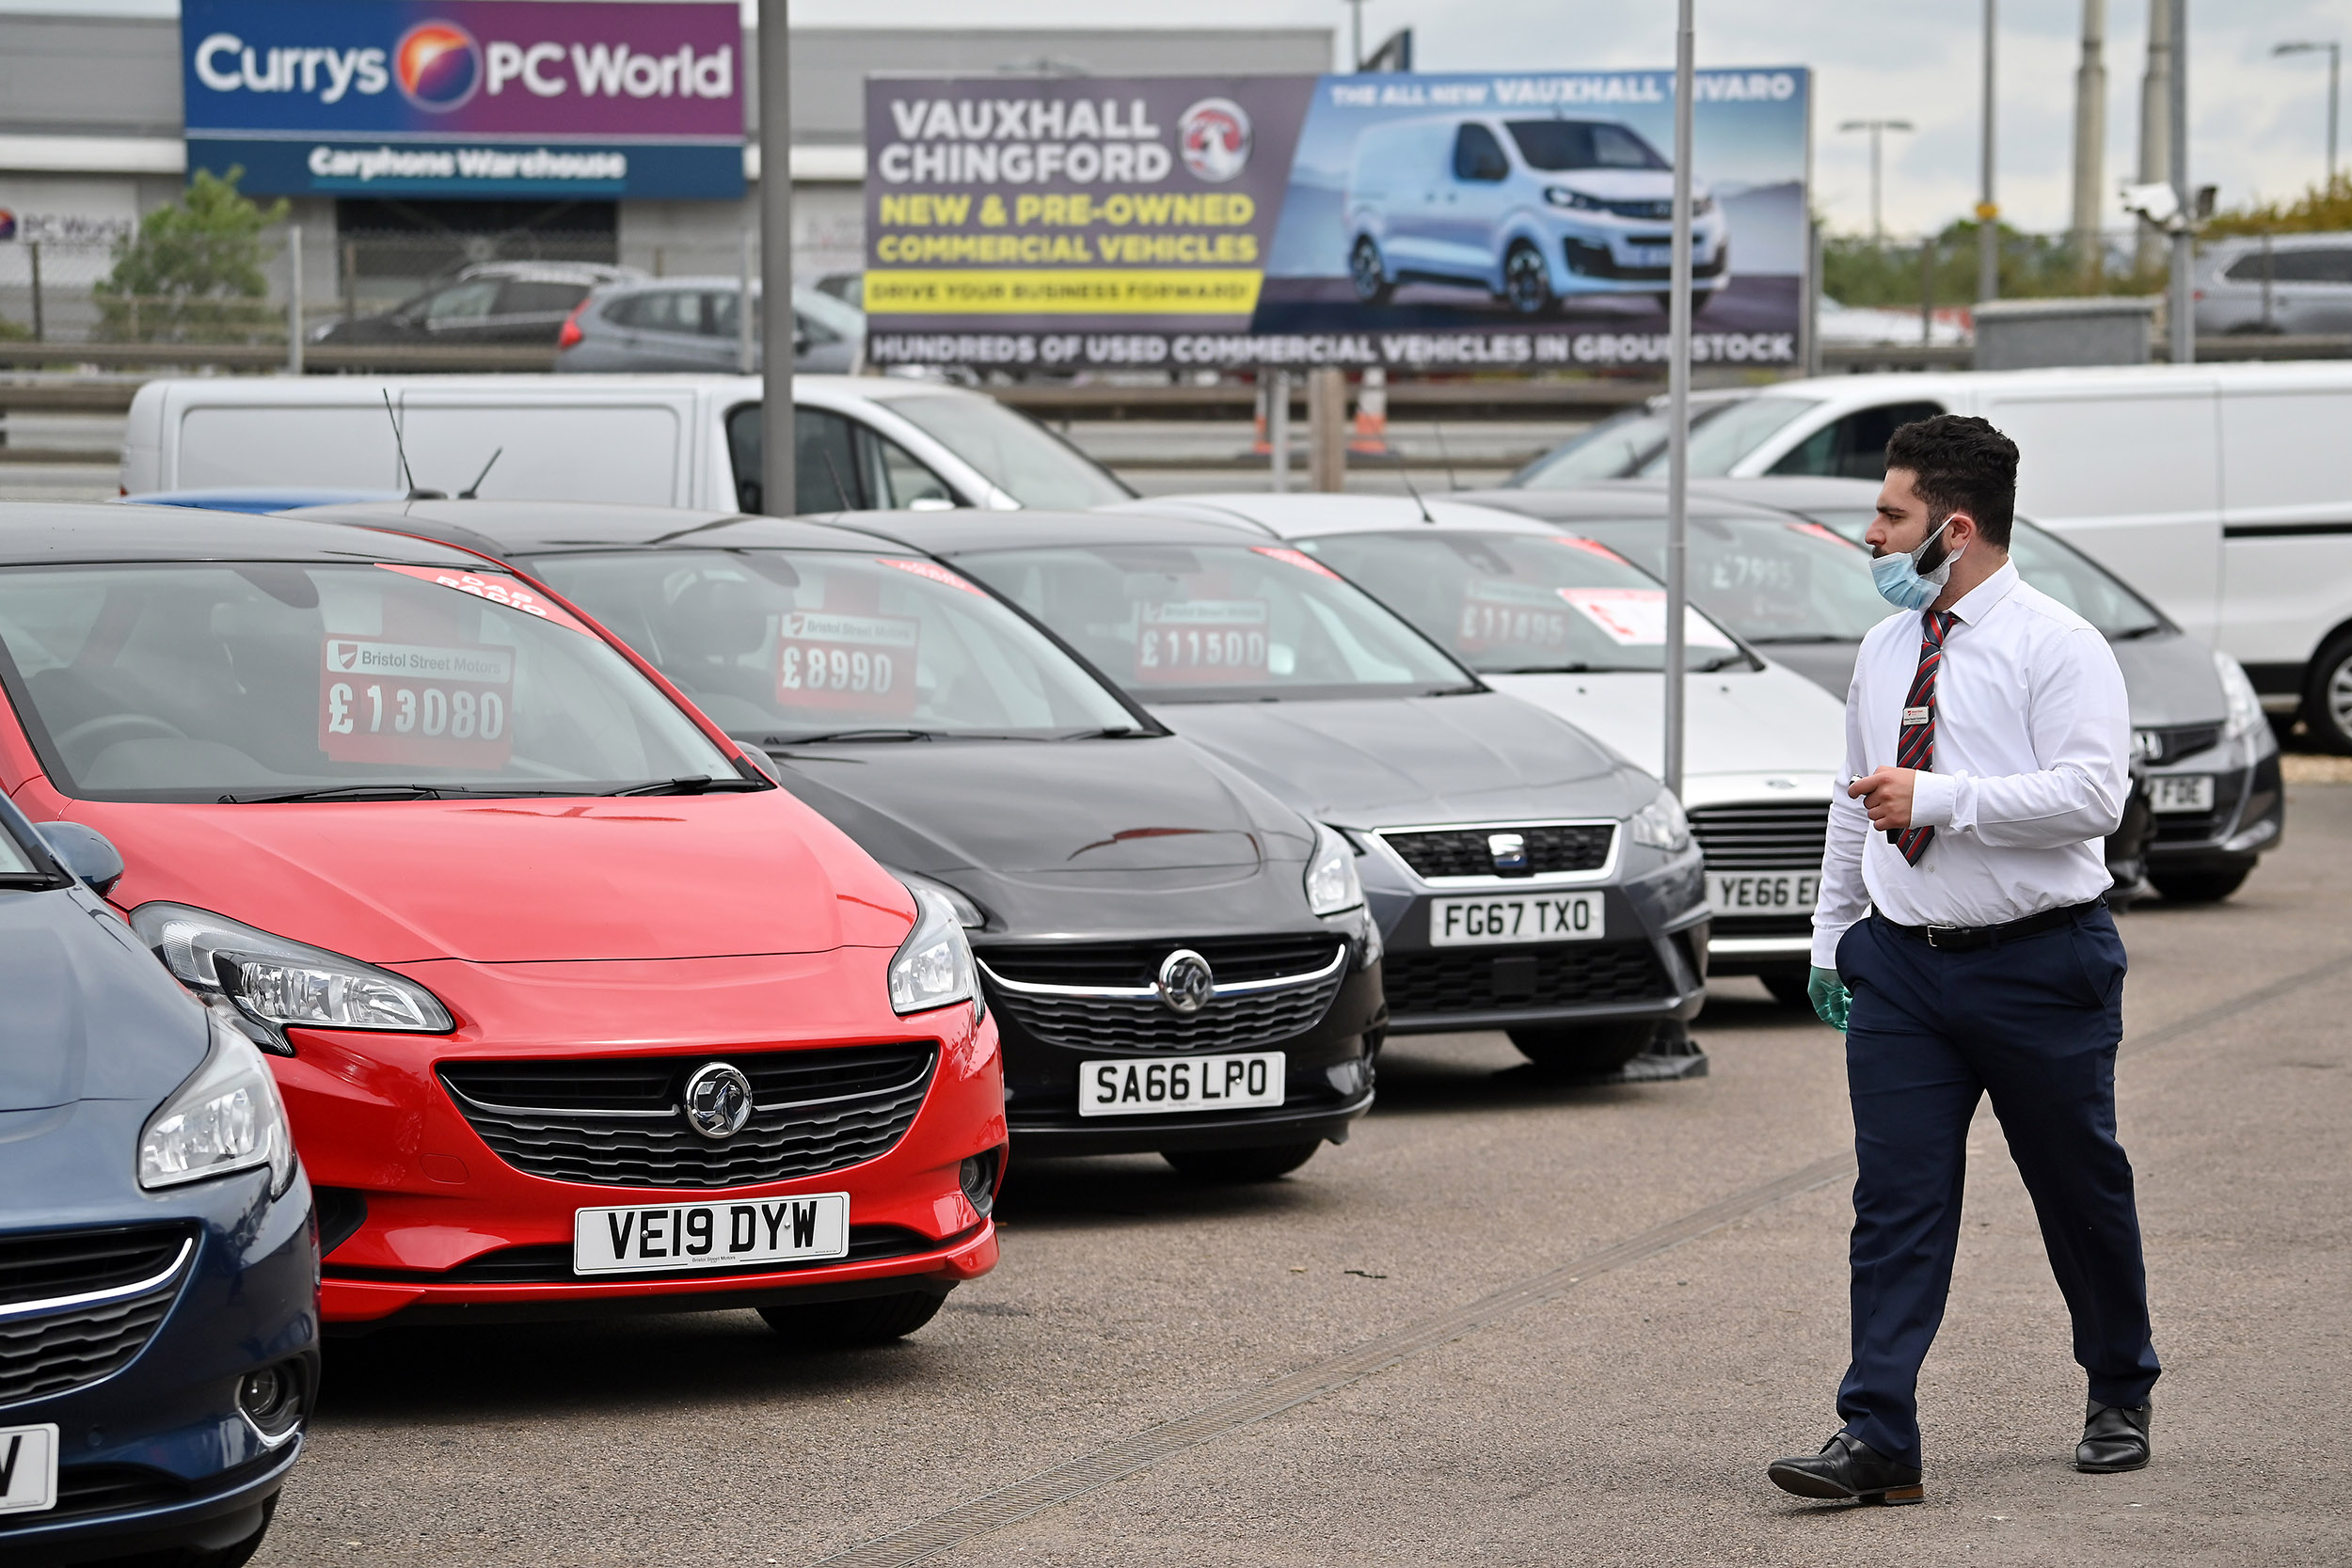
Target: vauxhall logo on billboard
(494, 98)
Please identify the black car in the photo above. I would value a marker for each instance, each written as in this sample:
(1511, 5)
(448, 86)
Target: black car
(1177, 961)
(158, 1261)
(1780, 561)
(524, 303)
(1524, 878)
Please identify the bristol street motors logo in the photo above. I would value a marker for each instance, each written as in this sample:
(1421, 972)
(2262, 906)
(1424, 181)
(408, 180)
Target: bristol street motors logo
(438, 65)
(1214, 138)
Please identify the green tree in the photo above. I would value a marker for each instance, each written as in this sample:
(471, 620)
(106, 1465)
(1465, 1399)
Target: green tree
(2322, 209)
(193, 271)
(2031, 267)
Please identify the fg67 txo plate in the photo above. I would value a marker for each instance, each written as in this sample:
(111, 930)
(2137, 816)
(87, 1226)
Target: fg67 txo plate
(674, 1236)
(1515, 918)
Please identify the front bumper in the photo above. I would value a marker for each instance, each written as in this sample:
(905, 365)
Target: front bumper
(1601, 253)
(2247, 819)
(446, 1229)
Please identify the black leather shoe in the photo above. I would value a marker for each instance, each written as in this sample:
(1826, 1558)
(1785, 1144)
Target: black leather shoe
(1848, 1467)
(2115, 1437)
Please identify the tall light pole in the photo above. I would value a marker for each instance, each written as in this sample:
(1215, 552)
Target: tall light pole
(2090, 139)
(2335, 70)
(1877, 129)
(1678, 402)
(779, 494)
(1356, 33)
(2155, 114)
(1988, 211)
(2183, 305)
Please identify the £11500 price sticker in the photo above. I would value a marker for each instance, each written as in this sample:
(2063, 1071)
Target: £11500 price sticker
(1201, 641)
(825, 659)
(410, 702)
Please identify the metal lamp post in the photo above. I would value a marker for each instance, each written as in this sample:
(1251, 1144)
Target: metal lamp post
(779, 492)
(1679, 403)
(2335, 70)
(1989, 211)
(1877, 129)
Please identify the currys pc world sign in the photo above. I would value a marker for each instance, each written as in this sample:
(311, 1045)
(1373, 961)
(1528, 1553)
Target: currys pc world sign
(468, 97)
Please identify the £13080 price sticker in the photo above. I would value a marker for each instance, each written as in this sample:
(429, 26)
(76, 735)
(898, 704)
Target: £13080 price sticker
(410, 702)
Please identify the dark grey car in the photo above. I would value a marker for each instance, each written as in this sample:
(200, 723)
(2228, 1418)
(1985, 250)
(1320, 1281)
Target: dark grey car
(515, 303)
(1780, 561)
(691, 324)
(1524, 878)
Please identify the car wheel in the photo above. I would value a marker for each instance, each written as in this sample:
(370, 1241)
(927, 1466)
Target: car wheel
(1241, 1164)
(1584, 1048)
(847, 1324)
(2328, 703)
(1526, 281)
(2199, 887)
(1364, 270)
(1789, 988)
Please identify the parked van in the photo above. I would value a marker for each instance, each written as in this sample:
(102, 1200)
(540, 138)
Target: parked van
(1532, 210)
(2220, 491)
(866, 442)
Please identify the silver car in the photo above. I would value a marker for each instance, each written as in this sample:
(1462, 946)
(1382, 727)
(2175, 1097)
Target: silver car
(690, 324)
(2275, 283)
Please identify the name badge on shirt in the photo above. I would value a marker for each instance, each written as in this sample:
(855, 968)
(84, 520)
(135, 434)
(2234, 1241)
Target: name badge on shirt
(1915, 716)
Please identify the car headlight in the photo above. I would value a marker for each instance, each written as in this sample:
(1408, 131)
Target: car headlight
(933, 966)
(1560, 195)
(226, 1118)
(2245, 704)
(969, 914)
(276, 982)
(1661, 825)
(1331, 882)
(1702, 205)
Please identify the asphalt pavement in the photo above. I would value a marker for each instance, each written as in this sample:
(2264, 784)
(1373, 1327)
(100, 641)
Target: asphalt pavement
(1511, 1322)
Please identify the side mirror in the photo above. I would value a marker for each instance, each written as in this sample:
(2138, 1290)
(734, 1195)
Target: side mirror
(86, 852)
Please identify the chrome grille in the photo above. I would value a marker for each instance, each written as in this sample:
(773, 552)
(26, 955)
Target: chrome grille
(2170, 743)
(1291, 984)
(1558, 974)
(617, 1123)
(78, 1305)
(1552, 847)
(1758, 836)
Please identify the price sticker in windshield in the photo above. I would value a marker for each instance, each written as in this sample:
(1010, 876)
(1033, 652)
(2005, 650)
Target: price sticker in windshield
(1497, 614)
(1636, 617)
(830, 660)
(1200, 642)
(410, 702)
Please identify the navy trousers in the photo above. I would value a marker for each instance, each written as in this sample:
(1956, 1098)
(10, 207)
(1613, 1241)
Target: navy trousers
(2035, 1023)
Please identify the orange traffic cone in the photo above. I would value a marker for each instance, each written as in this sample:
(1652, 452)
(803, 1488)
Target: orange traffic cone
(1371, 435)
(1259, 445)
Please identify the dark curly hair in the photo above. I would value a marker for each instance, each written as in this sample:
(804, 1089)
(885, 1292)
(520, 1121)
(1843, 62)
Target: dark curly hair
(1959, 463)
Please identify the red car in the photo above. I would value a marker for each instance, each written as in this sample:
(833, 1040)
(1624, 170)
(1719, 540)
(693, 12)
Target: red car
(572, 1007)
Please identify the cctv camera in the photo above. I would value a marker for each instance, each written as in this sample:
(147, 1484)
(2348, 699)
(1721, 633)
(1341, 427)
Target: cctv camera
(2159, 203)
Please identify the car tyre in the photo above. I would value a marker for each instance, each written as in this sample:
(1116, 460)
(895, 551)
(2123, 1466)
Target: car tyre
(1526, 281)
(2199, 887)
(1586, 1048)
(848, 1325)
(2328, 701)
(1790, 987)
(1367, 273)
(1267, 1164)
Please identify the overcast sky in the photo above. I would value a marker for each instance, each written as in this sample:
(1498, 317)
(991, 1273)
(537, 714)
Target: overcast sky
(2258, 124)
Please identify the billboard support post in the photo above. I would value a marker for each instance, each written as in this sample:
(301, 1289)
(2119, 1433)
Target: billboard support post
(778, 493)
(294, 299)
(2183, 306)
(1278, 429)
(744, 321)
(1678, 405)
(1326, 428)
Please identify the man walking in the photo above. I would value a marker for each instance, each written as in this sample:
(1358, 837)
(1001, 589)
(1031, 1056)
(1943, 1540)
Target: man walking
(1962, 942)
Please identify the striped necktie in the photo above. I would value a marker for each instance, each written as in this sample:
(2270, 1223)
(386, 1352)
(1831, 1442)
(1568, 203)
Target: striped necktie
(1916, 746)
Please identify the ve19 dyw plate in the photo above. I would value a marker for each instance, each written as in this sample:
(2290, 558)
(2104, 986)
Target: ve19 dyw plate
(28, 1469)
(674, 1236)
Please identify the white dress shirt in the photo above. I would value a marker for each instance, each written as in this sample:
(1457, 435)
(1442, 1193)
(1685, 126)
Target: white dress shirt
(2031, 768)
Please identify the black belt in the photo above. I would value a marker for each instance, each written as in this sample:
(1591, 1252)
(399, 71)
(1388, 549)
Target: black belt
(1962, 939)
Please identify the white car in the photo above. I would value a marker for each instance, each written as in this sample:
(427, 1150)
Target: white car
(1534, 209)
(1568, 625)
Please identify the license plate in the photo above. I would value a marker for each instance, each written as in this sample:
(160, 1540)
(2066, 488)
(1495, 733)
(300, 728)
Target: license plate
(1135, 1086)
(1762, 892)
(2181, 792)
(28, 1469)
(1649, 255)
(676, 1236)
(1517, 917)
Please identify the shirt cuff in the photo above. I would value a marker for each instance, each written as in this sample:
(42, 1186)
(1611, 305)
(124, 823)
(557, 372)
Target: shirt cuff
(1825, 941)
(1933, 796)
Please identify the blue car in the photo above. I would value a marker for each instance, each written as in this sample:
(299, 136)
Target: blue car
(159, 1333)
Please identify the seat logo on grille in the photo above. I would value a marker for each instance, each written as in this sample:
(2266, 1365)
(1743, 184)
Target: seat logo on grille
(718, 1101)
(1186, 982)
(1508, 852)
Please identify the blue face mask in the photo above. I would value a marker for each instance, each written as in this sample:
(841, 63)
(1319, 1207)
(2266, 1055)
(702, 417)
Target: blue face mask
(1901, 583)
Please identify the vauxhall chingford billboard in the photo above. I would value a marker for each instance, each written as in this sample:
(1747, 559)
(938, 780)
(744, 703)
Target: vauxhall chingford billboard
(1442, 222)
(468, 97)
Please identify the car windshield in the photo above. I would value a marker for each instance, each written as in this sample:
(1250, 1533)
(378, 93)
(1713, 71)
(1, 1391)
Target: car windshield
(2055, 567)
(782, 645)
(1017, 454)
(198, 682)
(1219, 622)
(1738, 430)
(1510, 603)
(1770, 580)
(1616, 447)
(1558, 146)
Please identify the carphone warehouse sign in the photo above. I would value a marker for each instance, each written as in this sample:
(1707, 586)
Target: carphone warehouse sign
(468, 97)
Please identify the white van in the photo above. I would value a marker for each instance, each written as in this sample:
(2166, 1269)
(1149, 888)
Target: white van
(864, 442)
(2218, 491)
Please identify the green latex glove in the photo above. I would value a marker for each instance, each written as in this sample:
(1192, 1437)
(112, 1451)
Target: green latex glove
(1831, 999)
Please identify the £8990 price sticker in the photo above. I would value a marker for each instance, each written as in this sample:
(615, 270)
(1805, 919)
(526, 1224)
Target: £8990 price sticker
(826, 659)
(411, 702)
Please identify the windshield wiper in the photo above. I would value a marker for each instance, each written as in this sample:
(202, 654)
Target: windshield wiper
(699, 784)
(845, 734)
(350, 792)
(1804, 636)
(33, 882)
(2134, 633)
(1129, 732)
(1569, 669)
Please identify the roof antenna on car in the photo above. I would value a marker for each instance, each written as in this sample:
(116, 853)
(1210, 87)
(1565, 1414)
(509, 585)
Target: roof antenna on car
(409, 479)
(1444, 457)
(473, 491)
(1413, 491)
